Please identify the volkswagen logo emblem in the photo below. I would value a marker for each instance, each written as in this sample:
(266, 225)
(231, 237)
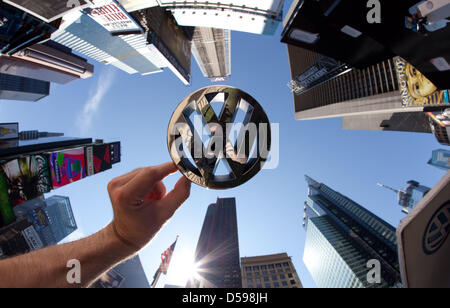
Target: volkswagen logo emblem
(437, 230)
(219, 137)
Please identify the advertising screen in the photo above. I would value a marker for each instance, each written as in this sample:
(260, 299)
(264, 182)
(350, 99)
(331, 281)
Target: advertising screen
(67, 166)
(9, 131)
(416, 89)
(26, 178)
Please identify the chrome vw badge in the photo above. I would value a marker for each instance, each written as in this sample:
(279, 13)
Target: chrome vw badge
(219, 137)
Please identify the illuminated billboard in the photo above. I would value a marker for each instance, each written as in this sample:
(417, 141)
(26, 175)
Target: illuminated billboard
(416, 89)
(114, 18)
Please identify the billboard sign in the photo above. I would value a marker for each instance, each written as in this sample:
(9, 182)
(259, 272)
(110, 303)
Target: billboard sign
(9, 131)
(32, 238)
(26, 178)
(324, 70)
(416, 89)
(424, 243)
(67, 166)
(114, 18)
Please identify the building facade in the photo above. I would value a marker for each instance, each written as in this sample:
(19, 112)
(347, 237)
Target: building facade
(440, 159)
(217, 253)
(211, 49)
(19, 88)
(127, 275)
(270, 271)
(409, 197)
(343, 239)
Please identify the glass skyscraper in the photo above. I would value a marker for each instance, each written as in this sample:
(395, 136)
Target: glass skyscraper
(342, 237)
(61, 219)
(217, 254)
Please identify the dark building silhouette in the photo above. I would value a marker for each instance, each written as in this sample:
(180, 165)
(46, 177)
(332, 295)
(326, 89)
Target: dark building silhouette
(217, 254)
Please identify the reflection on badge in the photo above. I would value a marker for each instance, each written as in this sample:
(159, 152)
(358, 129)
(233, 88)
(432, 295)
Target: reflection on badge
(219, 137)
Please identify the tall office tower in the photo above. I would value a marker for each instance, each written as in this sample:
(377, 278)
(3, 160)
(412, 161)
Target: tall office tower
(362, 35)
(270, 271)
(49, 61)
(170, 43)
(217, 253)
(211, 49)
(410, 196)
(19, 29)
(343, 238)
(128, 52)
(22, 88)
(61, 220)
(440, 159)
(129, 274)
(52, 218)
(261, 17)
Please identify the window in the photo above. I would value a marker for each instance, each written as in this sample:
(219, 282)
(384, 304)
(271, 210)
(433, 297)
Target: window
(248, 269)
(276, 284)
(280, 270)
(266, 279)
(278, 265)
(282, 276)
(292, 281)
(263, 267)
(284, 283)
(271, 266)
(264, 273)
(258, 280)
(250, 286)
(268, 286)
(290, 275)
(257, 274)
(259, 286)
(256, 268)
(274, 278)
(249, 274)
(249, 280)
(272, 271)
(286, 264)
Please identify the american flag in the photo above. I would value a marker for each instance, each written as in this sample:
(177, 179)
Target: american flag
(166, 256)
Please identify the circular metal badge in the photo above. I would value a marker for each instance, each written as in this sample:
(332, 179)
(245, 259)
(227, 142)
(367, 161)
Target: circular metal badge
(219, 137)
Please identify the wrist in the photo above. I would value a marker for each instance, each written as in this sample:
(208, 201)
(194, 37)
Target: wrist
(123, 247)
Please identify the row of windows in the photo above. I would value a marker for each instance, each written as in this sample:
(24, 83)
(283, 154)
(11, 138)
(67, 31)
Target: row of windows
(280, 270)
(265, 267)
(266, 279)
(274, 285)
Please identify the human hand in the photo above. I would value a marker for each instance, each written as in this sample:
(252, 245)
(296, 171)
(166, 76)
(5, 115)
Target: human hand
(141, 206)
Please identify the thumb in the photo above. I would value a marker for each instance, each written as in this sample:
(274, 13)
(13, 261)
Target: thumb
(177, 196)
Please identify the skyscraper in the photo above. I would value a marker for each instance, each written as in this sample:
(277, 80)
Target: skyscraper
(270, 271)
(23, 88)
(129, 274)
(217, 253)
(440, 159)
(342, 238)
(409, 197)
(211, 49)
(52, 218)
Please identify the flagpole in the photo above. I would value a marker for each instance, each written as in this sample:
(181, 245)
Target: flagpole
(156, 278)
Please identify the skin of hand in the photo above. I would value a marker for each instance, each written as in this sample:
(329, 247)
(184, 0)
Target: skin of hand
(141, 205)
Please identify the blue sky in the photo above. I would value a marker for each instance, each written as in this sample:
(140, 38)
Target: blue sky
(135, 110)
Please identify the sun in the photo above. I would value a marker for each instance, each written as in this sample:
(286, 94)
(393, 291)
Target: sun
(182, 268)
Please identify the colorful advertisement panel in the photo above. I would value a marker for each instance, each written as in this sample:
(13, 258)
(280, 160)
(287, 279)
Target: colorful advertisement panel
(114, 18)
(67, 166)
(26, 178)
(98, 158)
(9, 131)
(115, 152)
(6, 212)
(416, 89)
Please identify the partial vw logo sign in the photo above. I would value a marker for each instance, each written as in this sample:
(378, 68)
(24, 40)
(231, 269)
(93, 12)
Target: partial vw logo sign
(219, 137)
(438, 230)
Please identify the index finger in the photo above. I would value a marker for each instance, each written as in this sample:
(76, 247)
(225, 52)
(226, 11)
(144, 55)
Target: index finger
(137, 188)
